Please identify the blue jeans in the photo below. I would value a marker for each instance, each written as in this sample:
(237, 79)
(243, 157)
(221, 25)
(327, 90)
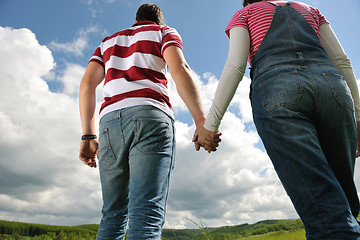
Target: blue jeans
(306, 121)
(136, 157)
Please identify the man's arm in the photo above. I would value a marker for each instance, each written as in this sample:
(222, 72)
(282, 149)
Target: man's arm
(186, 86)
(93, 76)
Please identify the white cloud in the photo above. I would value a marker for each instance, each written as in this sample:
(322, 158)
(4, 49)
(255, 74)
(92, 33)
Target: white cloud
(93, 6)
(41, 178)
(71, 78)
(12, 63)
(78, 45)
(43, 181)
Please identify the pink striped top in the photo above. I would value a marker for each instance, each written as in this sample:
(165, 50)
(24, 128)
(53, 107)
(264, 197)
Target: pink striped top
(257, 17)
(135, 68)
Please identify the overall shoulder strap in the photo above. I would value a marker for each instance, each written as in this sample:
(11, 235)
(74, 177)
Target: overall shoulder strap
(275, 4)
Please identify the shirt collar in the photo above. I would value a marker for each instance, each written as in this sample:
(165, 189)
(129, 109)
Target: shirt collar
(144, 23)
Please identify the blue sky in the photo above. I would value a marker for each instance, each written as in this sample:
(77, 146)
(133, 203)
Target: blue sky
(45, 49)
(201, 24)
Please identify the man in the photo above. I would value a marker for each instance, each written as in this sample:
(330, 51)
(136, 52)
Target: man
(137, 140)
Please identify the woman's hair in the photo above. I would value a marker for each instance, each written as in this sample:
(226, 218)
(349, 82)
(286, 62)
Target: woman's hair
(150, 12)
(246, 2)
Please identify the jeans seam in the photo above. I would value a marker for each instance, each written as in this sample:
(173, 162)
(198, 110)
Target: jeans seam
(122, 136)
(315, 88)
(105, 134)
(171, 166)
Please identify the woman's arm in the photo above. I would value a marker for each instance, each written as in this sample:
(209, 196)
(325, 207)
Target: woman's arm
(232, 74)
(338, 56)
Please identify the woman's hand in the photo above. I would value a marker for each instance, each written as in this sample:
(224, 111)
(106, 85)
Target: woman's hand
(206, 139)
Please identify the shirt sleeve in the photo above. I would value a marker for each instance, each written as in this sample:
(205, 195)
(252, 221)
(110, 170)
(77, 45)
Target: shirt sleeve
(338, 56)
(97, 57)
(170, 38)
(238, 20)
(322, 18)
(231, 76)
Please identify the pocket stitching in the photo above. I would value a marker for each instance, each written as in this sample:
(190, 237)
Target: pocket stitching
(337, 95)
(297, 92)
(108, 146)
(137, 137)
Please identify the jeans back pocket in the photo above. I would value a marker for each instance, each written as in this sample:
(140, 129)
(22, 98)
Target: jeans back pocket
(340, 89)
(280, 90)
(151, 134)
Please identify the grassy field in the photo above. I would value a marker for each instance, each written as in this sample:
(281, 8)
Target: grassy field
(291, 229)
(280, 235)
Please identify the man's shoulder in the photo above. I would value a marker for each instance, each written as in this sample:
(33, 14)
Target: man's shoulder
(136, 29)
(118, 33)
(131, 31)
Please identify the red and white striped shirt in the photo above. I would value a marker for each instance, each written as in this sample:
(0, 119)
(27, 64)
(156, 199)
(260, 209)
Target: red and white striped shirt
(135, 68)
(257, 17)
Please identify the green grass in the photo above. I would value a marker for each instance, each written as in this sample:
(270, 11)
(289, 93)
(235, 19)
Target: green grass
(17, 230)
(291, 229)
(269, 229)
(280, 235)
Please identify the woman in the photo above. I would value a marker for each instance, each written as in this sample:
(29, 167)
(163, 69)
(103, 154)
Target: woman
(303, 109)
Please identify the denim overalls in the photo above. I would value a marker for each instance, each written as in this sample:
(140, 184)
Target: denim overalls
(304, 114)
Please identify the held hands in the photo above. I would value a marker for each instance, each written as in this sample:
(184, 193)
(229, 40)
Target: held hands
(206, 139)
(89, 152)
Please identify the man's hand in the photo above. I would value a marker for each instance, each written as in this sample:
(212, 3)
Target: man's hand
(206, 139)
(89, 152)
(93, 76)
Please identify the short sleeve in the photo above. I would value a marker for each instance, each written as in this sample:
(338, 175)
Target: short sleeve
(170, 38)
(322, 18)
(97, 57)
(238, 20)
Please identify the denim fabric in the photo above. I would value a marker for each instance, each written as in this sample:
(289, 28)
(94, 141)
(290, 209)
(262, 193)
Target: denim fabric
(304, 114)
(136, 157)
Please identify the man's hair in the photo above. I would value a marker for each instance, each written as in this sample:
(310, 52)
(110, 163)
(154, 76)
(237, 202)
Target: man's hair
(246, 2)
(150, 12)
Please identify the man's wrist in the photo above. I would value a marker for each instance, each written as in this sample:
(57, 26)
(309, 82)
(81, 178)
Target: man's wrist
(88, 137)
(199, 122)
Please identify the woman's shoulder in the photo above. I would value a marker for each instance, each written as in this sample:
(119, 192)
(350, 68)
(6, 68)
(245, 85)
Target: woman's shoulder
(254, 8)
(314, 12)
